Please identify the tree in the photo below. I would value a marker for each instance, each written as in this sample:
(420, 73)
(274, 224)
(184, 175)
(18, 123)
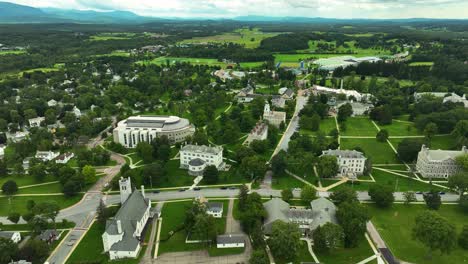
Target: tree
(435, 232)
(36, 250)
(211, 174)
(463, 203)
(145, 151)
(409, 197)
(286, 195)
(9, 187)
(101, 212)
(3, 168)
(430, 130)
(253, 166)
(463, 238)
(382, 195)
(204, 228)
(243, 196)
(8, 250)
(459, 183)
(279, 163)
(344, 112)
(353, 217)
(462, 160)
(382, 135)
(71, 188)
(461, 133)
(38, 171)
(346, 194)
(14, 217)
(89, 174)
(259, 257)
(308, 193)
(315, 122)
(328, 237)
(408, 149)
(432, 199)
(327, 166)
(284, 240)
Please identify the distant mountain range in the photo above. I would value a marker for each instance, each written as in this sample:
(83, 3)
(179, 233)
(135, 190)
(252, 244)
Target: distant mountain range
(14, 13)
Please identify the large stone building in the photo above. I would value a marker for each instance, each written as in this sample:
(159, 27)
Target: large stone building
(273, 117)
(351, 162)
(135, 129)
(438, 163)
(321, 211)
(124, 231)
(195, 158)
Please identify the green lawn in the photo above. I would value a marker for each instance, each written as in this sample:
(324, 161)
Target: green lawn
(359, 126)
(251, 64)
(437, 142)
(173, 215)
(285, 182)
(351, 49)
(243, 36)
(421, 63)
(401, 129)
(90, 249)
(379, 152)
(347, 255)
(326, 126)
(395, 226)
(49, 188)
(12, 52)
(18, 203)
(24, 180)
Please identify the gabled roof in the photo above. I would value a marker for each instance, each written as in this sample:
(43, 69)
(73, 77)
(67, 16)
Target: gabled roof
(214, 207)
(230, 239)
(277, 209)
(324, 211)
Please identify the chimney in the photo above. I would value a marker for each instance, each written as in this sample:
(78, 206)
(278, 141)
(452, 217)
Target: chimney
(119, 227)
(143, 191)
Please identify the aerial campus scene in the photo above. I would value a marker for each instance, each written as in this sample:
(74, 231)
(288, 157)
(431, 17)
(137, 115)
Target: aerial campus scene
(241, 131)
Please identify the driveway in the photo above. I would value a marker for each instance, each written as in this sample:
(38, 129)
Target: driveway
(232, 225)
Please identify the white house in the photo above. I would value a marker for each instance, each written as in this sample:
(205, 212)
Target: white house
(51, 103)
(351, 162)
(438, 163)
(46, 155)
(76, 111)
(2, 151)
(195, 158)
(129, 132)
(274, 118)
(455, 98)
(64, 158)
(124, 231)
(36, 122)
(13, 236)
(230, 241)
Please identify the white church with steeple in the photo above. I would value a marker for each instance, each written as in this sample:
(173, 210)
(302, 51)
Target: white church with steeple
(274, 118)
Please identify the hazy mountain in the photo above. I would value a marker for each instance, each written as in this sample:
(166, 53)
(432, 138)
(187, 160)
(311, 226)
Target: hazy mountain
(97, 17)
(10, 12)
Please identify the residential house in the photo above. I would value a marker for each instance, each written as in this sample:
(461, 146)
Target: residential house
(351, 163)
(13, 236)
(36, 122)
(230, 241)
(46, 155)
(286, 93)
(76, 111)
(124, 232)
(439, 163)
(52, 103)
(19, 136)
(278, 101)
(50, 235)
(259, 132)
(214, 209)
(322, 211)
(455, 98)
(274, 118)
(195, 158)
(64, 158)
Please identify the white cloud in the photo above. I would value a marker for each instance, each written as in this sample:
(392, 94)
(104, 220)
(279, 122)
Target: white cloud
(309, 8)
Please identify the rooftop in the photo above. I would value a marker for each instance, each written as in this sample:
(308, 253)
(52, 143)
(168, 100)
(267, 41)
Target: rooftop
(215, 150)
(344, 153)
(230, 239)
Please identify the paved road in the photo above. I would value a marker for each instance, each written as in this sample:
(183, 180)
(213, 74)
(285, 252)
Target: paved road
(293, 124)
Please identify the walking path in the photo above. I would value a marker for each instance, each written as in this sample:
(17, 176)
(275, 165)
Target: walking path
(156, 245)
(375, 236)
(147, 258)
(39, 184)
(309, 247)
(232, 225)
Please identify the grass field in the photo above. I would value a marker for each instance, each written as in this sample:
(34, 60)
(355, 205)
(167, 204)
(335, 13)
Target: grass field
(111, 36)
(244, 36)
(401, 129)
(24, 180)
(379, 152)
(48, 188)
(395, 226)
(326, 126)
(12, 52)
(18, 203)
(285, 182)
(347, 255)
(351, 48)
(437, 142)
(173, 60)
(173, 215)
(359, 126)
(115, 53)
(421, 63)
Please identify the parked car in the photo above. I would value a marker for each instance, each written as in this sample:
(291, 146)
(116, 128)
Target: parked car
(224, 188)
(182, 190)
(156, 191)
(196, 188)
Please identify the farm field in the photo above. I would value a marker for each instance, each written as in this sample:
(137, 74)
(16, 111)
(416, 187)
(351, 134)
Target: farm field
(349, 47)
(395, 225)
(244, 36)
(111, 36)
(173, 60)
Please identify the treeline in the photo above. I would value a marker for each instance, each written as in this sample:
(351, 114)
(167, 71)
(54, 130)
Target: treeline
(230, 51)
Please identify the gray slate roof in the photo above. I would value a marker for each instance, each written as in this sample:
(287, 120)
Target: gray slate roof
(129, 214)
(202, 149)
(214, 206)
(196, 162)
(276, 209)
(6, 234)
(324, 211)
(344, 153)
(230, 239)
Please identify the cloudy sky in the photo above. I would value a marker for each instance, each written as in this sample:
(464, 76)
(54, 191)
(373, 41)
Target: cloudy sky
(306, 8)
